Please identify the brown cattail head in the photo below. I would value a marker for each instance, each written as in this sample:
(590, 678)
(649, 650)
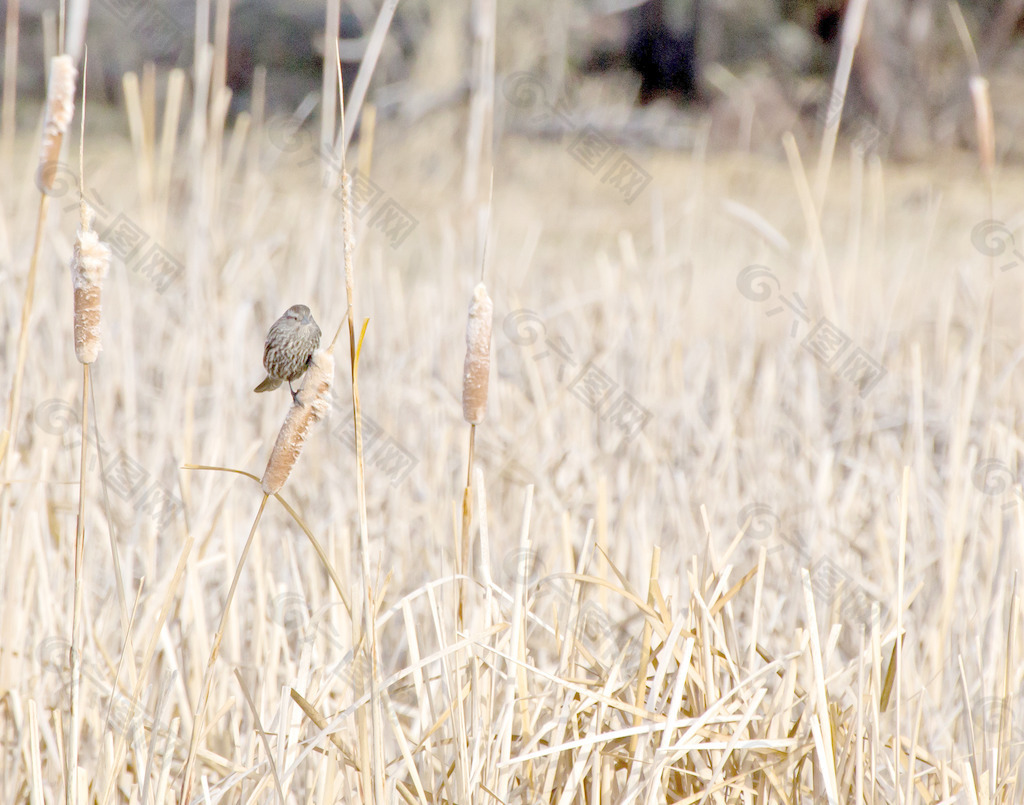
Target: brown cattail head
(89, 265)
(310, 406)
(60, 108)
(478, 356)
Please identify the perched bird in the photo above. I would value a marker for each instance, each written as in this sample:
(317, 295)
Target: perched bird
(291, 342)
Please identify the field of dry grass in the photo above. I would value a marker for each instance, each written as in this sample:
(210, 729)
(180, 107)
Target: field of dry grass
(746, 517)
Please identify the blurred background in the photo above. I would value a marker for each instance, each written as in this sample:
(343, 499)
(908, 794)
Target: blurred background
(753, 68)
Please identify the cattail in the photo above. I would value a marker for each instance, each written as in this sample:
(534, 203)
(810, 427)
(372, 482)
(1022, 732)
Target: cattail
(478, 356)
(310, 406)
(60, 108)
(89, 265)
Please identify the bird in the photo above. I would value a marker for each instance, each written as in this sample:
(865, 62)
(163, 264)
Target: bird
(290, 345)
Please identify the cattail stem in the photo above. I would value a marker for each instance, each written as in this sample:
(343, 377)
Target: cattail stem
(472, 452)
(465, 552)
(89, 264)
(984, 123)
(309, 406)
(475, 378)
(60, 107)
(372, 774)
(188, 773)
(984, 126)
(75, 652)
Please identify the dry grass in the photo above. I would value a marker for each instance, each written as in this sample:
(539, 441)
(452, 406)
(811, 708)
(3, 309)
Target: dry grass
(705, 612)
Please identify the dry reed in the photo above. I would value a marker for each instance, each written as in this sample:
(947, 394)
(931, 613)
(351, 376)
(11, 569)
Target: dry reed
(60, 107)
(89, 264)
(984, 124)
(371, 735)
(746, 690)
(735, 699)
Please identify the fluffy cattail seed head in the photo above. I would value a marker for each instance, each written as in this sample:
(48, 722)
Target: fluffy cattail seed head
(89, 265)
(60, 108)
(310, 406)
(477, 367)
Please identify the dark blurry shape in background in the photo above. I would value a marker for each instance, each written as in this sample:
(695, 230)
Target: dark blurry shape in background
(908, 90)
(766, 61)
(658, 41)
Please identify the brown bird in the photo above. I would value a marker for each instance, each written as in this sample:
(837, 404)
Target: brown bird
(291, 342)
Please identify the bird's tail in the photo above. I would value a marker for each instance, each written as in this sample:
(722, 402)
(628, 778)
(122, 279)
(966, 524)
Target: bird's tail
(269, 384)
